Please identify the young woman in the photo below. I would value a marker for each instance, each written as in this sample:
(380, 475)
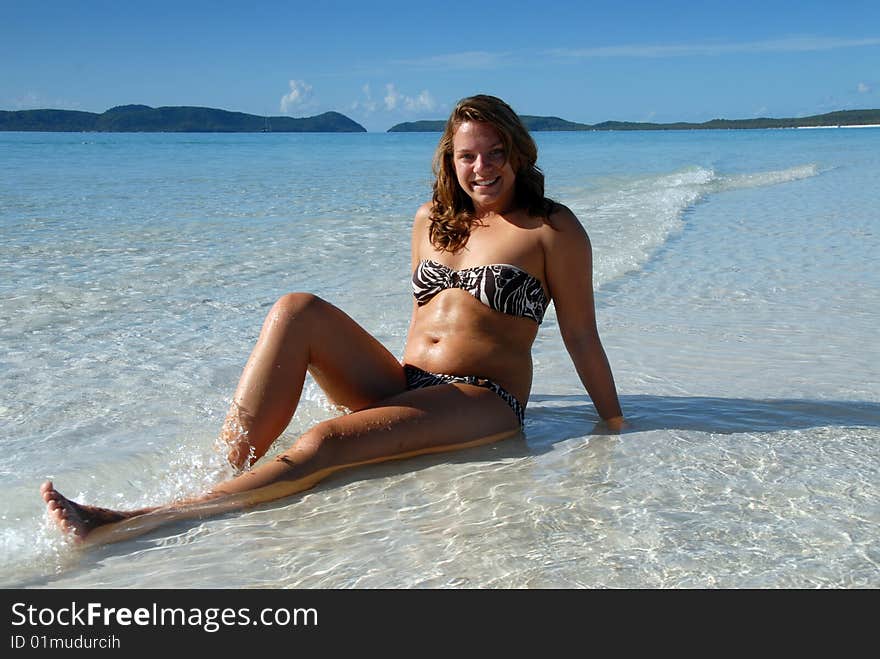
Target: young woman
(489, 253)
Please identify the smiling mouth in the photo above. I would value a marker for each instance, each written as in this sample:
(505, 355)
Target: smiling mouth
(488, 183)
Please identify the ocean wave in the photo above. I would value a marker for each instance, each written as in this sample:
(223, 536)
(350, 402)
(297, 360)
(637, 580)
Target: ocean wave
(761, 179)
(629, 221)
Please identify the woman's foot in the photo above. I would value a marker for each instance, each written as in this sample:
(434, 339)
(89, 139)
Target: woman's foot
(76, 520)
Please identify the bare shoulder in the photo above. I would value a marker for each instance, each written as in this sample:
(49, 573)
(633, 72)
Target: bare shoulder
(423, 214)
(568, 258)
(422, 221)
(564, 228)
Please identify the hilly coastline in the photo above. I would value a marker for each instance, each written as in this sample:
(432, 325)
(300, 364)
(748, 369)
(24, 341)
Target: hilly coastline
(145, 119)
(533, 123)
(183, 119)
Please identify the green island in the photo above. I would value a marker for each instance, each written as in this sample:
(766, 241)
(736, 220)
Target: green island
(144, 119)
(840, 118)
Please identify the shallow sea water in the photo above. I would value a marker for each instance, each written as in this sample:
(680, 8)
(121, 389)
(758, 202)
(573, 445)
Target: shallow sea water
(737, 296)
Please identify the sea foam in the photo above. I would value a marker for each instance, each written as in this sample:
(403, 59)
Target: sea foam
(632, 220)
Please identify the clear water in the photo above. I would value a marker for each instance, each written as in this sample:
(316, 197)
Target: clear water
(738, 298)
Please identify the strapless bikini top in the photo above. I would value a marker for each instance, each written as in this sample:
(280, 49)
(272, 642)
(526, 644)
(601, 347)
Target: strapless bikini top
(499, 286)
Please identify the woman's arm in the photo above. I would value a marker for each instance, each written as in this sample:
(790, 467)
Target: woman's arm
(569, 271)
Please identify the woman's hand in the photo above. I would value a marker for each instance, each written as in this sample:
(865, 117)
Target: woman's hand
(611, 426)
(616, 423)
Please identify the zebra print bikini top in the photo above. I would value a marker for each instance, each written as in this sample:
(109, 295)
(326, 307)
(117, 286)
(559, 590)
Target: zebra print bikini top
(499, 286)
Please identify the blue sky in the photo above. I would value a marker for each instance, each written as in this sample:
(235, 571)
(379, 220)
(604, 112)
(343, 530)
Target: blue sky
(385, 62)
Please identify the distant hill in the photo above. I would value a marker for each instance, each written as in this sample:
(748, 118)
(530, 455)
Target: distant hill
(841, 118)
(144, 119)
(531, 122)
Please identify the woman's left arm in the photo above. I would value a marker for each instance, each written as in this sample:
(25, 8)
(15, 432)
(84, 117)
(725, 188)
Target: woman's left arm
(569, 271)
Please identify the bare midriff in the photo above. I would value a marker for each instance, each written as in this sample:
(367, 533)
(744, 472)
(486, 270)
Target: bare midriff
(456, 334)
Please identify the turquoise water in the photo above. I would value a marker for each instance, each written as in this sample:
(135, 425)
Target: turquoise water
(737, 294)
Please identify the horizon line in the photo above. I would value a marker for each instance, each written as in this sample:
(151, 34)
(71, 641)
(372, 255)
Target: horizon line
(283, 116)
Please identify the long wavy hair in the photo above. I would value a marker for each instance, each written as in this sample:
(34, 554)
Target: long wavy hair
(452, 214)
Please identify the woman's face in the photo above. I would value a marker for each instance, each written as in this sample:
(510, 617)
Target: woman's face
(482, 167)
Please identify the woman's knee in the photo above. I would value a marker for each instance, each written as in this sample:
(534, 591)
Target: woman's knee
(296, 307)
(294, 304)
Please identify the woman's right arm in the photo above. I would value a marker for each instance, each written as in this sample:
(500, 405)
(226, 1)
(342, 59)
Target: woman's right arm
(569, 271)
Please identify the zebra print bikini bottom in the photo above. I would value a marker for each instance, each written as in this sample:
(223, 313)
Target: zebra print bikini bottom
(416, 378)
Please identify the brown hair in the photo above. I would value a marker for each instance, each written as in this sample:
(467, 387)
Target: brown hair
(452, 213)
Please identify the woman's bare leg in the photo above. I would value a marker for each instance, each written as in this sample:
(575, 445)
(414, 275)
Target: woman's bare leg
(429, 420)
(300, 333)
(304, 333)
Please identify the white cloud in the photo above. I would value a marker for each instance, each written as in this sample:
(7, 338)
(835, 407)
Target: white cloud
(299, 96)
(863, 88)
(366, 103)
(394, 100)
(788, 45)
(392, 97)
(424, 101)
